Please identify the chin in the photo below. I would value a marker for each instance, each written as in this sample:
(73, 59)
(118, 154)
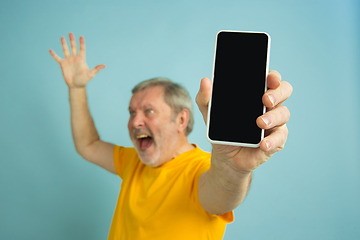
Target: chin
(149, 160)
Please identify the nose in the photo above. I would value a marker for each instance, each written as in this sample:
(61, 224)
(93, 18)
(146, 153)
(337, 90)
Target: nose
(137, 121)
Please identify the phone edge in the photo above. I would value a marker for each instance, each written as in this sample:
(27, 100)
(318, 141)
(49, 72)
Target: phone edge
(256, 145)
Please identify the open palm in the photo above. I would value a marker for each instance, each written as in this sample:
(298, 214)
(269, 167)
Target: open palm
(74, 68)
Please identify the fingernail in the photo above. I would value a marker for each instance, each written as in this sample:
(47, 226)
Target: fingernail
(268, 145)
(266, 120)
(272, 99)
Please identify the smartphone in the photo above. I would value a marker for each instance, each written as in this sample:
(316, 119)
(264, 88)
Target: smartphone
(240, 69)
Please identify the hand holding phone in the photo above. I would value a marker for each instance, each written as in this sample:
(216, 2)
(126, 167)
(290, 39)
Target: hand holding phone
(240, 68)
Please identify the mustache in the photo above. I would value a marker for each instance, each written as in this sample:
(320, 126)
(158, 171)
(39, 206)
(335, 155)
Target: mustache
(136, 132)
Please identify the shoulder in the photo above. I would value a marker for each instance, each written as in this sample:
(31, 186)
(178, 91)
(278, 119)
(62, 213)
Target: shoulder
(197, 162)
(200, 157)
(124, 157)
(198, 154)
(120, 152)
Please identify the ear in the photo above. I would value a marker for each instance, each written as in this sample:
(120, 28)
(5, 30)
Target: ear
(182, 120)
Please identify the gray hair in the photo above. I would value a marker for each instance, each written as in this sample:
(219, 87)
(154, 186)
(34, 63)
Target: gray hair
(175, 95)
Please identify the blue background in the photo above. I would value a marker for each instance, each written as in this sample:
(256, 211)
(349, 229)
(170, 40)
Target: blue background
(310, 190)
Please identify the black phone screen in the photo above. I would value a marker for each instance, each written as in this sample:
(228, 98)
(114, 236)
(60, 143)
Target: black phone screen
(239, 82)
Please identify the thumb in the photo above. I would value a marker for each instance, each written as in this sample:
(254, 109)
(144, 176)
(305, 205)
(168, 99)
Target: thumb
(203, 97)
(96, 69)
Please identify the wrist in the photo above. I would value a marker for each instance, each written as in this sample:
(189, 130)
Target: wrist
(77, 94)
(77, 89)
(228, 168)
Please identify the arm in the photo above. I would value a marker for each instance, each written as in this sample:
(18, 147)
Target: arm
(225, 185)
(77, 74)
(222, 189)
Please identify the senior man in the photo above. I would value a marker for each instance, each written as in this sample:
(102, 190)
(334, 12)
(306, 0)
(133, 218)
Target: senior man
(170, 189)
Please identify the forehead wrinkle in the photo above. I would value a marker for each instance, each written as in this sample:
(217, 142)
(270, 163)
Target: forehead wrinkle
(148, 105)
(143, 100)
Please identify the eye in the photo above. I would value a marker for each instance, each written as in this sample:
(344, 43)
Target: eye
(149, 111)
(132, 113)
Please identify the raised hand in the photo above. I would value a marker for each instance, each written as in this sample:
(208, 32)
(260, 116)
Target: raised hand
(74, 68)
(273, 121)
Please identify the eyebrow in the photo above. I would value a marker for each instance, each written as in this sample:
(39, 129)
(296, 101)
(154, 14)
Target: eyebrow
(142, 107)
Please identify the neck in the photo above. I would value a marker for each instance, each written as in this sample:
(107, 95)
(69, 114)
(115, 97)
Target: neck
(183, 146)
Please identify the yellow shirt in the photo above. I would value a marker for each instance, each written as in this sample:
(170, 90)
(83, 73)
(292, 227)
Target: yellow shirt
(162, 202)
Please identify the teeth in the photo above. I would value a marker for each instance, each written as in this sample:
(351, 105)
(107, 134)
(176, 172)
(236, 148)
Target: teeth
(142, 136)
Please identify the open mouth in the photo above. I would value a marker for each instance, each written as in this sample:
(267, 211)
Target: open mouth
(144, 141)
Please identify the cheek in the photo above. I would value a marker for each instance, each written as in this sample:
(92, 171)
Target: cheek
(169, 132)
(129, 127)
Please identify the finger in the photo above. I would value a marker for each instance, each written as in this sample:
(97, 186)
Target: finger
(72, 44)
(65, 47)
(273, 118)
(55, 56)
(275, 141)
(274, 97)
(273, 79)
(203, 97)
(96, 69)
(82, 47)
